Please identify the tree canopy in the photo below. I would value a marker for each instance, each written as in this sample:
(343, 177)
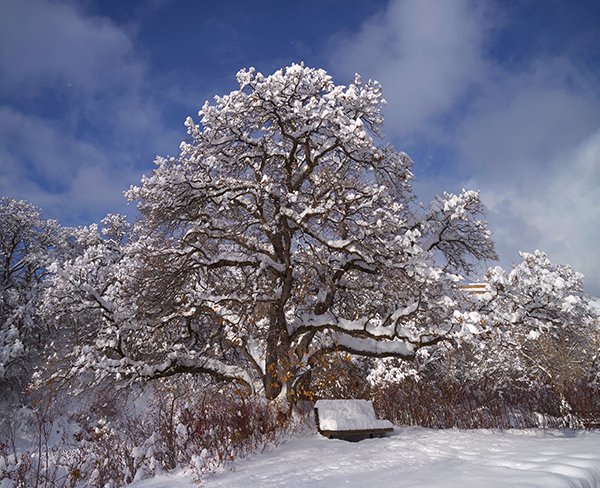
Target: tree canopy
(284, 232)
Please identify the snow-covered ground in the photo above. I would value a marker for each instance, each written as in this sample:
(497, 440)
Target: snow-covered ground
(416, 457)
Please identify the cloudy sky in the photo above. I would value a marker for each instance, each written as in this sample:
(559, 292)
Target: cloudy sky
(502, 97)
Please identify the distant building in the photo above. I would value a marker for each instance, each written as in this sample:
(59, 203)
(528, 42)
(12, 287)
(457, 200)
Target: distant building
(475, 288)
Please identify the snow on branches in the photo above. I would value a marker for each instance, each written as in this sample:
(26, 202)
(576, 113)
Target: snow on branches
(283, 235)
(285, 232)
(452, 228)
(28, 244)
(540, 325)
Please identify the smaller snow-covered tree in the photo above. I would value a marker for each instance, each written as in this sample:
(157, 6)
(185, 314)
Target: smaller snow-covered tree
(539, 323)
(535, 352)
(84, 297)
(28, 245)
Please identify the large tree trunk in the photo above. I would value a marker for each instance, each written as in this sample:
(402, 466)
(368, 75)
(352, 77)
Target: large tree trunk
(272, 381)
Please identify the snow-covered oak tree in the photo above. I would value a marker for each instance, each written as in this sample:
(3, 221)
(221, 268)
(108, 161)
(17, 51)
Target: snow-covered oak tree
(283, 232)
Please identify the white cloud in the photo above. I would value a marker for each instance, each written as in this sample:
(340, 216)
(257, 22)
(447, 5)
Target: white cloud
(65, 176)
(521, 121)
(50, 43)
(531, 145)
(426, 54)
(569, 216)
(559, 212)
(80, 112)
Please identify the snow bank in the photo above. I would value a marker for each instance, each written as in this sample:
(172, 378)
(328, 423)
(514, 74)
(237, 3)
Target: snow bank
(419, 458)
(349, 415)
(171, 480)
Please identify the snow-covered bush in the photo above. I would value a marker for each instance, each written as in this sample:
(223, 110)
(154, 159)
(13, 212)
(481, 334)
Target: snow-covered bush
(112, 439)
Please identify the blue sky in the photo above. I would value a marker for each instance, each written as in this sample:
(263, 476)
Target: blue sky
(503, 97)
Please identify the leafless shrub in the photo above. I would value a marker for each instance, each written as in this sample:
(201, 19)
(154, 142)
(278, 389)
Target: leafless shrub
(197, 428)
(442, 403)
